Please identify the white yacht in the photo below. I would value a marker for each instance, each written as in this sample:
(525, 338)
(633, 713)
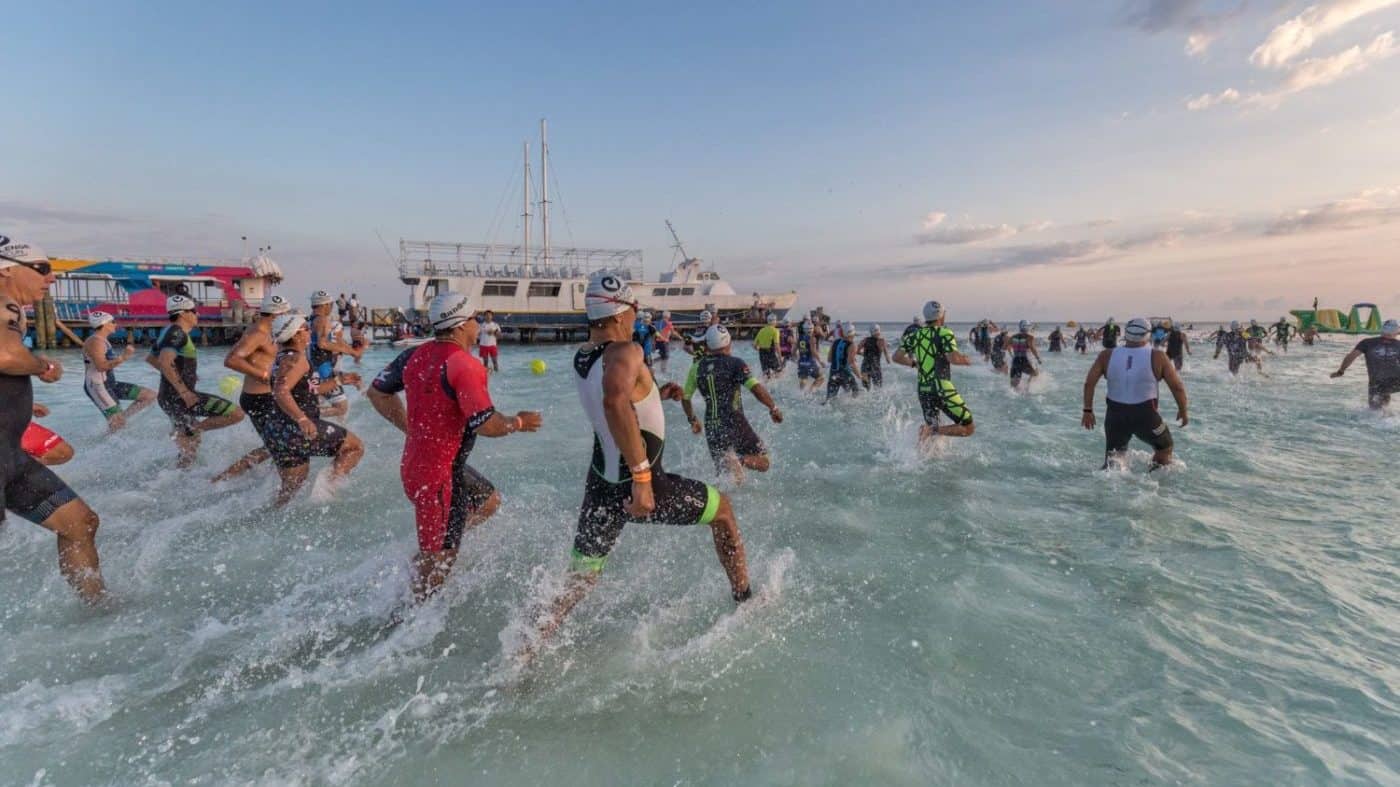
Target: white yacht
(542, 289)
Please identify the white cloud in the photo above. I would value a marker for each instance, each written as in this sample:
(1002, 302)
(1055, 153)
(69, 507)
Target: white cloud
(1206, 100)
(1297, 35)
(1371, 208)
(1198, 43)
(937, 232)
(1308, 74)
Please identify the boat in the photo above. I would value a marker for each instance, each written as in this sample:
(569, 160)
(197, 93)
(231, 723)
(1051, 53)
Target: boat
(134, 290)
(1337, 321)
(542, 288)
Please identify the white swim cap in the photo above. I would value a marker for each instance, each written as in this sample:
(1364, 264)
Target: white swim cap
(646, 316)
(932, 311)
(1234, 325)
(99, 319)
(717, 337)
(449, 309)
(274, 304)
(1391, 327)
(874, 329)
(13, 252)
(1024, 326)
(1137, 329)
(608, 295)
(666, 315)
(321, 298)
(848, 329)
(286, 326)
(705, 316)
(772, 319)
(178, 303)
(918, 319)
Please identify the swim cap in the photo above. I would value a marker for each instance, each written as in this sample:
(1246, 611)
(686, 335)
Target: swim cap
(918, 319)
(178, 303)
(449, 309)
(646, 316)
(286, 326)
(1234, 325)
(13, 252)
(666, 315)
(274, 304)
(849, 329)
(99, 319)
(717, 337)
(772, 319)
(321, 298)
(874, 329)
(705, 316)
(608, 295)
(1137, 329)
(1253, 322)
(1110, 321)
(933, 310)
(1024, 326)
(1391, 327)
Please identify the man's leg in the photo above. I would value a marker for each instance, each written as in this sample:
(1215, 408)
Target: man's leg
(729, 547)
(76, 527)
(349, 455)
(292, 480)
(250, 460)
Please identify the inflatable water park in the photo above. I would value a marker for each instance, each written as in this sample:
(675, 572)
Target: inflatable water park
(1338, 321)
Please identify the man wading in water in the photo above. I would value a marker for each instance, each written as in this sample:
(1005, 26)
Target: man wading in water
(1133, 372)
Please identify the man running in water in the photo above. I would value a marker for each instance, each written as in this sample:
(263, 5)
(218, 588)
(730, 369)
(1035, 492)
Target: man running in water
(1236, 348)
(1382, 364)
(27, 487)
(932, 351)
(1057, 340)
(911, 327)
(626, 482)
(644, 334)
(253, 357)
(100, 380)
(766, 342)
(1283, 330)
(1178, 345)
(324, 350)
(1022, 346)
(984, 336)
(787, 342)
(665, 331)
(1133, 372)
(1110, 334)
(809, 364)
(449, 406)
(487, 342)
(719, 377)
(998, 351)
(842, 361)
(174, 355)
(872, 349)
(296, 431)
(1081, 340)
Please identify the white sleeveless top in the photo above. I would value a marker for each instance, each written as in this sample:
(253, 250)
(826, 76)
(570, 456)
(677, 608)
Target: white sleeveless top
(1130, 376)
(607, 457)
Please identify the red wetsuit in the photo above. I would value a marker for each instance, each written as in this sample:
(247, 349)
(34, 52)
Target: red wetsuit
(38, 440)
(447, 401)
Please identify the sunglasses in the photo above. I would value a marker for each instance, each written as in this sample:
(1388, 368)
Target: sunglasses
(41, 268)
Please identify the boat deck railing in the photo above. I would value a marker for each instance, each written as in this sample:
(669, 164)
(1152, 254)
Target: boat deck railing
(428, 259)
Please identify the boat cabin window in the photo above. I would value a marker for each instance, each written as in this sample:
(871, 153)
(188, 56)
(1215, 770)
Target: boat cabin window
(543, 289)
(658, 292)
(673, 291)
(687, 291)
(506, 288)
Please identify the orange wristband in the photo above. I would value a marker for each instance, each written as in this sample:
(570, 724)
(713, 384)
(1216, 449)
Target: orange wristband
(643, 477)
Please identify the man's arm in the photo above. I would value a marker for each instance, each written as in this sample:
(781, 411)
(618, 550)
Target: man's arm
(764, 398)
(623, 366)
(1166, 371)
(289, 372)
(1035, 352)
(390, 406)
(1347, 361)
(468, 382)
(239, 359)
(15, 358)
(692, 381)
(957, 359)
(1091, 384)
(324, 340)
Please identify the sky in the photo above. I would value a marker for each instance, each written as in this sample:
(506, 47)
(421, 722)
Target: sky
(1204, 159)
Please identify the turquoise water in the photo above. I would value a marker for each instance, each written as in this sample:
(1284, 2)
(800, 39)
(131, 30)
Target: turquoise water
(1000, 613)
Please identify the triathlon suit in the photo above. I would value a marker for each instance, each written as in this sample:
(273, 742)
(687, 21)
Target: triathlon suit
(1021, 356)
(1281, 333)
(999, 352)
(183, 417)
(842, 375)
(785, 343)
(767, 343)
(679, 500)
(721, 380)
(807, 367)
(1110, 335)
(1382, 368)
(323, 365)
(1132, 402)
(929, 347)
(488, 341)
(1159, 335)
(908, 329)
(280, 433)
(645, 335)
(103, 388)
(870, 362)
(39, 440)
(1081, 340)
(26, 487)
(447, 402)
(1057, 341)
(663, 339)
(1176, 347)
(1236, 349)
(985, 334)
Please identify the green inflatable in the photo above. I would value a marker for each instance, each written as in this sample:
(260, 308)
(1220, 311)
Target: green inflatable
(1336, 321)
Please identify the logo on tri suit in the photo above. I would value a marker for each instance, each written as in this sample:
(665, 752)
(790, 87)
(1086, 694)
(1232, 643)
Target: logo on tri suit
(610, 283)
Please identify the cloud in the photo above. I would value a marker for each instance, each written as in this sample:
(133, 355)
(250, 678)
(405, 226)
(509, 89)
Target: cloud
(1297, 35)
(1238, 303)
(1371, 208)
(1308, 74)
(13, 213)
(1205, 101)
(1201, 25)
(937, 232)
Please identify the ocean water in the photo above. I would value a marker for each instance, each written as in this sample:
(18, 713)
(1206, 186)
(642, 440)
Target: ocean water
(999, 613)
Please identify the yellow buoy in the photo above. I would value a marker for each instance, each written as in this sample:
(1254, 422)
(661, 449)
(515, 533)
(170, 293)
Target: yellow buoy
(230, 384)
(538, 366)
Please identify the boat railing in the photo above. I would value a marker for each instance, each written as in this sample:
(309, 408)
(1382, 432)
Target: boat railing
(433, 259)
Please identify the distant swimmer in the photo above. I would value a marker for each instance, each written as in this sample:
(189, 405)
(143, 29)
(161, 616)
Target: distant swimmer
(720, 378)
(809, 364)
(1057, 340)
(872, 349)
(449, 406)
(27, 487)
(1283, 331)
(644, 334)
(1178, 345)
(297, 431)
(1255, 335)
(766, 343)
(100, 380)
(787, 341)
(488, 343)
(326, 345)
(1308, 335)
(1022, 344)
(932, 351)
(841, 363)
(984, 339)
(665, 332)
(174, 355)
(1159, 334)
(1081, 340)
(998, 351)
(253, 356)
(1110, 332)
(1133, 372)
(43, 444)
(1236, 347)
(626, 482)
(911, 327)
(1382, 364)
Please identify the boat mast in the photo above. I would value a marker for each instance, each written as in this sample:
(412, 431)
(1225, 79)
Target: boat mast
(678, 247)
(525, 215)
(544, 190)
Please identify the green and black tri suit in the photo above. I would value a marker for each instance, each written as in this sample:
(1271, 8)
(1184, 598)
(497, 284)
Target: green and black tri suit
(721, 381)
(929, 347)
